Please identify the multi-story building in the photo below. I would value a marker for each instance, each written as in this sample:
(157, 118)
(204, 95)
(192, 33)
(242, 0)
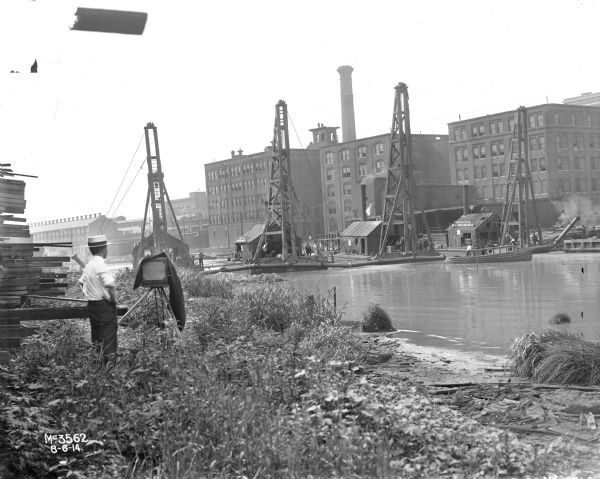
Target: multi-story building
(564, 152)
(74, 230)
(192, 218)
(586, 99)
(237, 191)
(358, 167)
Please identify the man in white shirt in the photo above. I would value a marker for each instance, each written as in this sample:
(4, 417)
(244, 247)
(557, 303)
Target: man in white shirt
(98, 287)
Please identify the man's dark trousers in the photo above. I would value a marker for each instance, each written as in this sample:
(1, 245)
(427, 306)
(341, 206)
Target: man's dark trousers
(103, 321)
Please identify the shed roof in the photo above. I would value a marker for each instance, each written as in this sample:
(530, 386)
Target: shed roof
(67, 223)
(253, 233)
(474, 220)
(360, 228)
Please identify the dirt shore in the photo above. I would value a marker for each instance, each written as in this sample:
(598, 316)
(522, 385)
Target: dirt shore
(482, 387)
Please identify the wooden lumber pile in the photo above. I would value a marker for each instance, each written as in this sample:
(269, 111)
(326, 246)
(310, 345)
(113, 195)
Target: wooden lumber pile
(22, 270)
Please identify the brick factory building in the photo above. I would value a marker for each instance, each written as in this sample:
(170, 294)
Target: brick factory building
(75, 230)
(354, 173)
(237, 189)
(564, 152)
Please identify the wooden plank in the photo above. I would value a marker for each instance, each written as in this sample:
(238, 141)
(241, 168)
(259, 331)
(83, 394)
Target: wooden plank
(50, 259)
(16, 331)
(44, 314)
(4, 357)
(10, 343)
(9, 322)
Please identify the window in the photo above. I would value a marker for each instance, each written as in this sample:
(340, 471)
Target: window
(577, 185)
(459, 174)
(482, 151)
(481, 130)
(464, 133)
(595, 142)
(458, 154)
(379, 166)
(347, 189)
(500, 126)
(556, 119)
(362, 169)
(346, 173)
(348, 206)
(542, 164)
(501, 169)
(466, 173)
(361, 152)
(532, 122)
(533, 143)
(476, 173)
(534, 165)
(511, 124)
(541, 143)
(378, 148)
(475, 152)
(561, 163)
(501, 148)
(345, 155)
(331, 191)
(465, 154)
(329, 174)
(495, 171)
(594, 184)
(474, 131)
(331, 208)
(329, 158)
(493, 128)
(483, 171)
(494, 149)
(578, 141)
(456, 135)
(561, 140)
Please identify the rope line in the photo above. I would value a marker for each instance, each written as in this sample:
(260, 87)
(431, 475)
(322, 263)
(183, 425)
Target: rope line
(121, 184)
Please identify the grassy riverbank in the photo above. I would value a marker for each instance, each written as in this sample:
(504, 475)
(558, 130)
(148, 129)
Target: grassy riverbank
(263, 382)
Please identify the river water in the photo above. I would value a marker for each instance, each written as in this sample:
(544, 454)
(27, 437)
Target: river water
(473, 308)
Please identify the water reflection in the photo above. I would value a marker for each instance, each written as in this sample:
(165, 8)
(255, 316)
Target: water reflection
(472, 307)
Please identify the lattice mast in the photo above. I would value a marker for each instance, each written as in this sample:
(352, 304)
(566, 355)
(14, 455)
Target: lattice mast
(519, 184)
(280, 215)
(157, 194)
(401, 192)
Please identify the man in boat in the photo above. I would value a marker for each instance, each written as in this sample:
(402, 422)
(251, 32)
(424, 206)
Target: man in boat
(98, 287)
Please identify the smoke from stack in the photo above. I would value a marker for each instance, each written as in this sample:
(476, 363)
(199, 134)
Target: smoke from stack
(347, 97)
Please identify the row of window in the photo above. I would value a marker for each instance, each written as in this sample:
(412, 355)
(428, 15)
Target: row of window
(497, 148)
(498, 191)
(577, 163)
(238, 186)
(237, 216)
(359, 152)
(348, 208)
(577, 141)
(563, 185)
(346, 190)
(236, 201)
(498, 170)
(237, 170)
(347, 170)
(535, 120)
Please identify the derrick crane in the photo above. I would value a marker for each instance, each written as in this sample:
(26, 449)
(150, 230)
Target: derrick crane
(401, 193)
(279, 221)
(519, 184)
(157, 198)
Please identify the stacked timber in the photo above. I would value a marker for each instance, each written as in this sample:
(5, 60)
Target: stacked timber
(22, 271)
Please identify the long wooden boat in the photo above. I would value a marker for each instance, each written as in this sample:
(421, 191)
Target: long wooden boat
(497, 254)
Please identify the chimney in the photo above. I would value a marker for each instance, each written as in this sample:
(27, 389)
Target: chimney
(363, 201)
(348, 126)
(240, 152)
(232, 153)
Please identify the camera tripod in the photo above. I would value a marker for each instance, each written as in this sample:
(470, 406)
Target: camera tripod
(161, 303)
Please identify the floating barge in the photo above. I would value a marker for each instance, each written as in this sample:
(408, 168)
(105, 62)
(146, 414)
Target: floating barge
(498, 254)
(583, 245)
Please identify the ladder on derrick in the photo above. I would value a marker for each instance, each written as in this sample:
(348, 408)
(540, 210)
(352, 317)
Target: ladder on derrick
(280, 211)
(519, 185)
(401, 198)
(157, 198)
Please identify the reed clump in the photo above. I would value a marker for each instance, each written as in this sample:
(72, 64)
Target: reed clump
(376, 319)
(557, 357)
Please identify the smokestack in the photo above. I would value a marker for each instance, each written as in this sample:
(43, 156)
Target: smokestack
(465, 200)
(348, 126)
(363, 201)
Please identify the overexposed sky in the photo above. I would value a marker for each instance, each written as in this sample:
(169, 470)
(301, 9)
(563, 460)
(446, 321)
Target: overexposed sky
(209, 74)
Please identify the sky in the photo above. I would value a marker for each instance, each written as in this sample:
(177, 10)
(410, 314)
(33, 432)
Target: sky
(209, 74)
